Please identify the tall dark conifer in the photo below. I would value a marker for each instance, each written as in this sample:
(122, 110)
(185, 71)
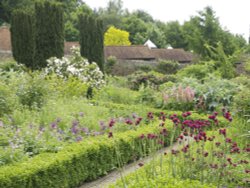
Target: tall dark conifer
(22, 37)
(49, 32)
(91, 39)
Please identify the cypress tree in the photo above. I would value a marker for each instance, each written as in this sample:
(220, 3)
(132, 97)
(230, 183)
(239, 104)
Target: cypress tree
(49, 35)
(91, 39)
(22, 37)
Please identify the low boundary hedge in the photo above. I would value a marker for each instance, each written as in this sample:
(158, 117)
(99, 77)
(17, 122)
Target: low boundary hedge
(78, 162)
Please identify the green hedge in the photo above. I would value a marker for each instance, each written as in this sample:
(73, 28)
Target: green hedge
(78, 162)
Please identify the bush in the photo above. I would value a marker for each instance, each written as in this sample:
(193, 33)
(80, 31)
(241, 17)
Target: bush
(198, 71)
(167, 67)
(109, 64)
(32, 91)
(151, 78)
(242, 102)
(77, 67)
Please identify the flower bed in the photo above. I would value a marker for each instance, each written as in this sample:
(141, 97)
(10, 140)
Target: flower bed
(87, 160)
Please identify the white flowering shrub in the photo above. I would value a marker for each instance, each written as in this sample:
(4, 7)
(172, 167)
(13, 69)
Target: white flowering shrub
(76, 66)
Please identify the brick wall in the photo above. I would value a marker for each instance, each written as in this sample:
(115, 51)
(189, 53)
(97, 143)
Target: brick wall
(5, 41)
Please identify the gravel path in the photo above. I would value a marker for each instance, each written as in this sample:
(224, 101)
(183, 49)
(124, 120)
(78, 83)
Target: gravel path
(114, 175)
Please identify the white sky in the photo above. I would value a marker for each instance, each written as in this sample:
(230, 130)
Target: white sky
(234, 15)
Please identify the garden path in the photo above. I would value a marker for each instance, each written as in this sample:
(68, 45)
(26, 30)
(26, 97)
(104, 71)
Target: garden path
(129, 168)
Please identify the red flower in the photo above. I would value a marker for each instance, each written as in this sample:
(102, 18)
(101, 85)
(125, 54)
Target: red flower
(110, 134)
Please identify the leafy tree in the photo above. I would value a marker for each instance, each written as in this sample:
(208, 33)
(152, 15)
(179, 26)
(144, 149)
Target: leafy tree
(113, 14)
(22, 37)
(205, 30)
(134, 26)
(8, 6)
(49, 35)
(156, 36)
(144, 16)
(174, 35)
(116, 37)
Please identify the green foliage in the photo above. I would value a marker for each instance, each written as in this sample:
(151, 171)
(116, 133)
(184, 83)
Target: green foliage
(10, 65)
(247, 67)
(6, 99)
(91, 39)
(109, 64)
(32, 91)
(116, 95)
(242, 102)
(49, 32)
(167, 67)
(198, 71)
(142, 179)
(138, 78)
(22, 37)
(212, 92)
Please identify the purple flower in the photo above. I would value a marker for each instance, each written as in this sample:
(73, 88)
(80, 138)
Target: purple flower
(53, 125)
(79, 138)
(75, 123)
(81, 114)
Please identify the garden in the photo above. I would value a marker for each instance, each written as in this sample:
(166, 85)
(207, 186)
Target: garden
(68, 120)
(53, 135)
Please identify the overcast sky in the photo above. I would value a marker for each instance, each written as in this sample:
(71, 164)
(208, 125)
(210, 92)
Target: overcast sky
(234, 15)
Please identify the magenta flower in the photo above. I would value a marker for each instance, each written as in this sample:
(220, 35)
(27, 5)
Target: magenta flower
(222, 132)
(111, 123)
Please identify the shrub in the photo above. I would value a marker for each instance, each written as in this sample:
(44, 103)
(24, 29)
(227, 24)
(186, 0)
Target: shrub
(242, 102)
(151, 78)
(199, 71)
(109, 64)
(167, 67)
(32, 91)
(77, 67)
(22, 37)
